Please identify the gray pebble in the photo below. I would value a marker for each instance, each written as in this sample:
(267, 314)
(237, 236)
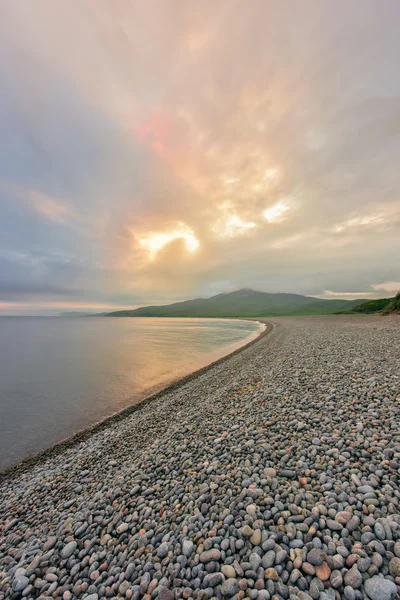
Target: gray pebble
(378, 588)
(68, 550)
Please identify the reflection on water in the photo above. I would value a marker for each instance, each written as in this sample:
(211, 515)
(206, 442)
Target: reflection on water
(59, 375)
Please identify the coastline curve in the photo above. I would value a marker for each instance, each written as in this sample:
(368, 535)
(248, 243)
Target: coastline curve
(80, 436)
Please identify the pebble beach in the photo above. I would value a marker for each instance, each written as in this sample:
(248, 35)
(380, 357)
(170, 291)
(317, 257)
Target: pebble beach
(274, 474)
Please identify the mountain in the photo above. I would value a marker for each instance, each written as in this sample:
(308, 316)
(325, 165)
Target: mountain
(242, 303)
(382, 305)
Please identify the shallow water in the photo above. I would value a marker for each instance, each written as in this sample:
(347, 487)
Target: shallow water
(60, 375)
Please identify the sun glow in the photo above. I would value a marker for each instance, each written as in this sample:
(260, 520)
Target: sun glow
(276, 212)
(154, 242)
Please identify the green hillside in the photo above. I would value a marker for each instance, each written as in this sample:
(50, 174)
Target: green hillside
(381, 305)
(242, 303)
(394, 306)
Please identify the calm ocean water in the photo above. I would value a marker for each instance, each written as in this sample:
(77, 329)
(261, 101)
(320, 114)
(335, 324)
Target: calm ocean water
(60, 375)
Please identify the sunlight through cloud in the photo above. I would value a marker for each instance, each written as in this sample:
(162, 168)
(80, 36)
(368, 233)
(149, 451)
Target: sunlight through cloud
(276, 212)
(154, 242)
(232, 225)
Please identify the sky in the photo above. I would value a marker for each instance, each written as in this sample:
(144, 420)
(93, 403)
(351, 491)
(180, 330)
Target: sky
(158, 150)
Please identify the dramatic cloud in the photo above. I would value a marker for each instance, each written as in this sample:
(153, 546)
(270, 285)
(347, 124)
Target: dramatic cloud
(152, 151)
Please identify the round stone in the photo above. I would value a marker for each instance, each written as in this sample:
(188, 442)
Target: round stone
(162, 550)
(165, 594)
(271, 574)
(323, 572)
(210, 555)
(122, 528)
(308, 568)
(336, 579)
(228, 571)
(270, 472)
(230, 587)
(394, 567)
(315, 557)
(379, 588)
(20, 583)
(246, 531)
(68, 549)
(255, 537)
(353, 577)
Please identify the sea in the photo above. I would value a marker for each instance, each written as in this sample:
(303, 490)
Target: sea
(59, 375)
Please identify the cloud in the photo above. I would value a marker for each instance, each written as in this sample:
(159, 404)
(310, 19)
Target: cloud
(46, 206)
(171, 149)
(276, 212)
(230, 224)
(347, 295)
(29, 276)
(387, 286)
(388, 217)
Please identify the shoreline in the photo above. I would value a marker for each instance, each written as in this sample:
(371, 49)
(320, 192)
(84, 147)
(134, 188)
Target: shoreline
(274, 474)
(148, 396)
